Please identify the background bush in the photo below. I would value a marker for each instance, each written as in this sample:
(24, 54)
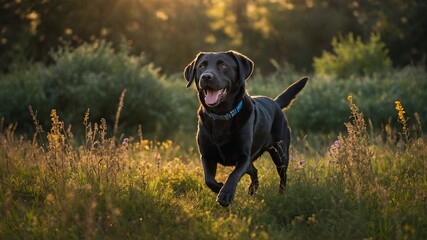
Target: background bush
(322, 104)
(94, 75)
(19, 89)
(351, 56)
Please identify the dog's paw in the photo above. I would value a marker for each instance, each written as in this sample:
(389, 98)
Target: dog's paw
(226, 195)
(225, 198)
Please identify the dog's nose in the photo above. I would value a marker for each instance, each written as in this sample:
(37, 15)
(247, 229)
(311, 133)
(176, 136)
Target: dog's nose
(206, 76)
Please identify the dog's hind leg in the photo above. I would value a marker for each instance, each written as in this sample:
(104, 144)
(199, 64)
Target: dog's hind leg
(253, 173)
(280, 155)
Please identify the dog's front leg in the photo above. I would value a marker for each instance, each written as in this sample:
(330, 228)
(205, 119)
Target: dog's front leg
(226, 195)
(209, 169)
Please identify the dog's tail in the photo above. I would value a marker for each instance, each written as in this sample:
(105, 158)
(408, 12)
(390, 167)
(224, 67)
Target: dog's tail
(286, 98)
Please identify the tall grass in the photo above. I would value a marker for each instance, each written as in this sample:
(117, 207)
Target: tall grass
(365, 186)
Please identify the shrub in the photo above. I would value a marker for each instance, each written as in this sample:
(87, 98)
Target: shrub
(18, 90)
(93, 76)
(322, 104)
(351, 56)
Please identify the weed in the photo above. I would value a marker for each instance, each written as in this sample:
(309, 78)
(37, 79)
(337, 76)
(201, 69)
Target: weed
(402, 120)
(353, 153)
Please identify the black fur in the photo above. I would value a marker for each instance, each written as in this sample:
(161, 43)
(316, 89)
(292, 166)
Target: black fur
(259, 126)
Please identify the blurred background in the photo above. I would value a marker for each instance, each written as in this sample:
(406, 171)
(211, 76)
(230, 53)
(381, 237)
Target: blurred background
(74, 55)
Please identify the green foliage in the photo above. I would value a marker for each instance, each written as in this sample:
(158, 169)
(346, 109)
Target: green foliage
(295, 35)
(321, 106)
(146, 189)
(19, 90)
(93, 76)
(353, 57)
(172, 32)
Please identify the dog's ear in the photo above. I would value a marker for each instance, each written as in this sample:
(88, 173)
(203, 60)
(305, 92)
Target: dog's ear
(245, 64)
(190, 70)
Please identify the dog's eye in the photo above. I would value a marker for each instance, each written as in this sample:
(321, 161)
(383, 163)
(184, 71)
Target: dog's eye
(223, 66)
(202, 66)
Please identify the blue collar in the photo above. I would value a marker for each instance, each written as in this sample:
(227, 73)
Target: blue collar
(226, 116)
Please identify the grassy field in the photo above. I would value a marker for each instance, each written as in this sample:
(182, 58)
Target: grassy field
(362, 184)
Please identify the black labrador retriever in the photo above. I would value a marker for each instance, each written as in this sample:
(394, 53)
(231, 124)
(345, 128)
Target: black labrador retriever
(234, 128)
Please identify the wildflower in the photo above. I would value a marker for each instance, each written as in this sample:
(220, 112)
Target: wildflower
(56, 137)
(400, 111)
(401, 119)
(334, 149)
(338, 144)
(125, 142)
(300, 165)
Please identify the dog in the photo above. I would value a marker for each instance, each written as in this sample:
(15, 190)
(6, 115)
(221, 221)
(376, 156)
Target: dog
(234, 129)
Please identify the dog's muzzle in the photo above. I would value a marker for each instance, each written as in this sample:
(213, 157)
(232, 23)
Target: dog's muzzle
(214, 94)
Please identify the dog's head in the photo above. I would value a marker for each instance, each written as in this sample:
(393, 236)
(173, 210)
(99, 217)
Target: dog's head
(218, 75)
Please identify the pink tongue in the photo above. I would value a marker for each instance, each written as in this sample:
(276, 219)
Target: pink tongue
(212, 96)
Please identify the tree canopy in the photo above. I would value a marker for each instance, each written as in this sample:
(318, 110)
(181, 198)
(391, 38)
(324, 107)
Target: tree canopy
(171, 32)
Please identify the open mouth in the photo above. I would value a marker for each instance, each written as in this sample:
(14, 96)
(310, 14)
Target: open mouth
(214, 97)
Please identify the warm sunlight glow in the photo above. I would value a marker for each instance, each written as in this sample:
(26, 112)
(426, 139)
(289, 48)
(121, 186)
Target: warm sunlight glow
(259, 16)
(34, 19)
(162, 15)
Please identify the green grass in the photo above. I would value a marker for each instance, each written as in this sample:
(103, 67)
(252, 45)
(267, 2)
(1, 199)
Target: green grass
(55, 188)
